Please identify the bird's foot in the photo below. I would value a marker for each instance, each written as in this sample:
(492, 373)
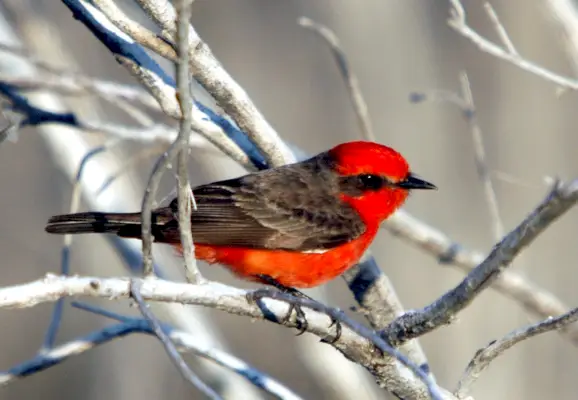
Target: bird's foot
(301, 320)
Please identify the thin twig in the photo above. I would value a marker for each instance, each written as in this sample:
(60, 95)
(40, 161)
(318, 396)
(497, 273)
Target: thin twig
(349, 77)
(148, 201)
(184, 193)
(125, 166)
(465, 103)
(185, 342)
(56, 318)
(480, 156)
(188, 374)
(458, 22)
(500, 29)
(561, 198)
(189, 343)
(485, 356)
(380, 304)
(135, 30)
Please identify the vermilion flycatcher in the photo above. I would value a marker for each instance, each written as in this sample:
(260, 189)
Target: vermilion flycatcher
(300, 224)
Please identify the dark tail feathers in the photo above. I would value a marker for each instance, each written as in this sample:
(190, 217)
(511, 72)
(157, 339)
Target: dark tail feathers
(126, 225)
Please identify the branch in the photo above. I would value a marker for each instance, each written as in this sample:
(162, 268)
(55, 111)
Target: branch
(485, 356)
(534, 299)
(458, 22)
(184, 341)
(229, 95)
(224, 298)
(561, 198)
(184, 192)
(359, 104)
(338, 315)
(480, 156)
(565, 15)
(214, 128)
(135, 293)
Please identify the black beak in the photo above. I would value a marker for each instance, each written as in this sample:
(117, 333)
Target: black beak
(413, 182)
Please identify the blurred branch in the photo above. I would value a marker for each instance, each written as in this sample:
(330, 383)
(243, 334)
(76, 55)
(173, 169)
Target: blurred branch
(188, 343)
(56, 319)
(485, 356)
(184, 341)
(458, 22)
(229, 95)
(355, 95)
(565, 16)
(34, 116)
(186, 372)
(161, 86)
(224, 298)
(561, 198)
(480, 156)
(464, 101)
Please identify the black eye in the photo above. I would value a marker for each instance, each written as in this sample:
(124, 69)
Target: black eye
(370, 182)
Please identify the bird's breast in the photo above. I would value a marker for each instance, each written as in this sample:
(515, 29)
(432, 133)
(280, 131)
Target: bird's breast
(289, 268)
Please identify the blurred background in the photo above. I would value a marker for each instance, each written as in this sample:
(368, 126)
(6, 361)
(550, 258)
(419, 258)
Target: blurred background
(395, 47)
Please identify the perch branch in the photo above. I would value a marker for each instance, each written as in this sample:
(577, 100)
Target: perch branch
(561, 198)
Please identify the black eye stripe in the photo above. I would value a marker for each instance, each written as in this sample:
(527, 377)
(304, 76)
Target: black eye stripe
(370, 182)
(357, 185)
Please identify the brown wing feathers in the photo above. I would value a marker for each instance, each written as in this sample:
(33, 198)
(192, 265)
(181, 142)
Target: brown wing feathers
(264, 210)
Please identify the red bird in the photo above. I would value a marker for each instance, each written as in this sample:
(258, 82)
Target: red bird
(298, 225)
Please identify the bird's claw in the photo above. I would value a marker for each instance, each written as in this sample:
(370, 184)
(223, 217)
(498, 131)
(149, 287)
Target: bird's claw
(300, 319)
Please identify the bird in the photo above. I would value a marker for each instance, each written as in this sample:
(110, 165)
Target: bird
(295, 226)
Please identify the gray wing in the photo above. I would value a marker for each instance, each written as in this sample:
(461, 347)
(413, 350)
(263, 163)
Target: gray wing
(274, 209)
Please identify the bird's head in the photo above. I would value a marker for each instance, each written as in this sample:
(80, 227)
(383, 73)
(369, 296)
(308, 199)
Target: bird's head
(373, 178)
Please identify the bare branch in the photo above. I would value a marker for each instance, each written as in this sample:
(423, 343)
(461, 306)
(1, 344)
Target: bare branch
(56, 319)
(184, 341)
(355, 95)
(135, 30)
(225, 298)
(185, 98)
(485, 356)
(229, 94)
(135, 293)
(561, 198)
(499, 27)
(459, 24)
(565, 15)
(356, 327)
(379, 303)
(480, 156)
(153, 78)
